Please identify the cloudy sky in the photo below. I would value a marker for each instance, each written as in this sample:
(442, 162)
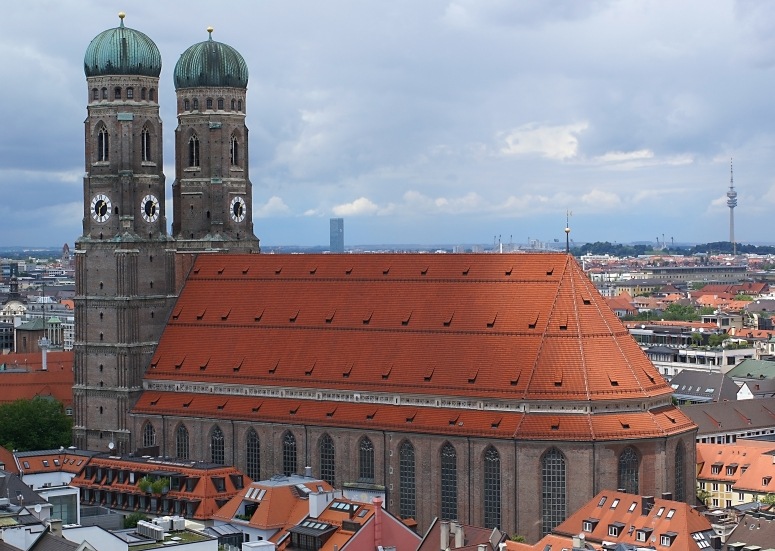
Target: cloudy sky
(433, 121)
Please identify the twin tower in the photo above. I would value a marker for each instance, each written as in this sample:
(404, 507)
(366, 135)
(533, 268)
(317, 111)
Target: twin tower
(128, 266)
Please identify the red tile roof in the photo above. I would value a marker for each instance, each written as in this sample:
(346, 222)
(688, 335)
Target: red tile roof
(501, 326)
(22, 377)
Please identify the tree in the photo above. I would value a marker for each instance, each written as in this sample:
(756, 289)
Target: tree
(37, 424)
(131, 520)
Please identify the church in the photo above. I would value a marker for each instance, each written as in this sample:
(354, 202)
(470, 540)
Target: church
(496, 390)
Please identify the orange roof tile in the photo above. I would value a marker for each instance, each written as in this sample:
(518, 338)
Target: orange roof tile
(22, 377)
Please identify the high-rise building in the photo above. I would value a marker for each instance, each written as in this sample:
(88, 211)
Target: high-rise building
(337, 235)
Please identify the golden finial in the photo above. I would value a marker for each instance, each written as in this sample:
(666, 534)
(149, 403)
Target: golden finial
(210, 31)
(121, 16)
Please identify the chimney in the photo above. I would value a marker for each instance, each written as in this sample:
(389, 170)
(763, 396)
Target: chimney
(444, 531)
(578, 541)
(647, 503)
(377, 501)
(481, 547)
(308, 472)
(459, 535)
(667, 495)
(55, 526)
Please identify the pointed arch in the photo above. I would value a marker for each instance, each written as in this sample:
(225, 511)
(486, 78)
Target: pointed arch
(289, 453)
(680, 481)
(181, 441)
(149, 435)
(234, 150)
(253, 455)
(103, 143)
(407, 484)
(629, 467)
(145, 143)
(492, 488)
(366, 460)
(193, 150)
(327, 457)
(448, 482)
(217, 454)
(553, 490)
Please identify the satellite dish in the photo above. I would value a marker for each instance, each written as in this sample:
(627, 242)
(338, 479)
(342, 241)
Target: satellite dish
(111, 446)
(38, 508)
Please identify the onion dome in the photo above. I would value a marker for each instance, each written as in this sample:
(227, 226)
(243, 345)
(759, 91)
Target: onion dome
(122, 51)
(211, 63)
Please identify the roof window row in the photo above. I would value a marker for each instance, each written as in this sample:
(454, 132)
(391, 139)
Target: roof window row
(118, 93)
(192, 104)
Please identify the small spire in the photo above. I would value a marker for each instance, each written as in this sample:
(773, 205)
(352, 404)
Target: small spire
(121, 16)
(210, 32)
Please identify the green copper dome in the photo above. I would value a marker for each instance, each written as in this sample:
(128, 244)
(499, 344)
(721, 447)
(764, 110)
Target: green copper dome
(122, 51)
(211, 63)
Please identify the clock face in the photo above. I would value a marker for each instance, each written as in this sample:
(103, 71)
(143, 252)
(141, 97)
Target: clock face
(237, 209)
(149, 208)
(100, 207)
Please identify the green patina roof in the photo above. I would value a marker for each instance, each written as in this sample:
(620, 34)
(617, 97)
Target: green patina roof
(211, 63)
(122, 51)
(753, 369)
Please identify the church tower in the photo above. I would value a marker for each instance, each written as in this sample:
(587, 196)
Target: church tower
(125, 256)
(212, 193)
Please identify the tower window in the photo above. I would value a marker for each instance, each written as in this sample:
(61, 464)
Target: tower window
(143, 93)
(152, 94)
(102, 144)
(95, 94)
(193, 150)
(186, 105)
(209, 103)
(130, 93)
(117, 92)
(234, 151)
(196, 104)
(104, 93)
(220, 104)
(233, 104)
(239, 105)
(146, 144)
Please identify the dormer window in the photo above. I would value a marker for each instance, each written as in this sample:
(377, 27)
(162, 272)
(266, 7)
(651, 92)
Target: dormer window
(715, 469)
(667, 538)
(731, 470)
(643, 534)
(766, 480)
(615, 529)
(589, 524)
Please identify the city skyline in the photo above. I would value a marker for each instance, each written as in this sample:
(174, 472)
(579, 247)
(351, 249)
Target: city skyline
(446, 122)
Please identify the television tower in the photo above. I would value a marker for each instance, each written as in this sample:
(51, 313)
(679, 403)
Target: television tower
(732, 203)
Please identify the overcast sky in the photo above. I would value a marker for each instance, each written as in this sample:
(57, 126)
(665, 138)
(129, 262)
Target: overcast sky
(432, 121)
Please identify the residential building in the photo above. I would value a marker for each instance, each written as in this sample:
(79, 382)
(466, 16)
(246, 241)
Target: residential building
(694, 387)
(735, 474)
(725, 422)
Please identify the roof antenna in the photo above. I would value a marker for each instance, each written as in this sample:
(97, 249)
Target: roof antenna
(568, 214)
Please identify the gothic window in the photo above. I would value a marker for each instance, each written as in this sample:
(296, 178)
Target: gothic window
(448, 482)
(103, 144)
(239, 105)
(234, 151)
(117, 92)
(679, 472)
(130, 93)
(146, 144)
(104, 93)
(628, 470)
(186, 105)
(366, 460)
(289, 454)
(406, 481)
(95, 94)
(196, 104)
(209, 103)
(181, 442)
(220, 104)
(216, 446)
(233, 104)
(152, 94)
(253, 455)
(492, 488)
(552, 490)
(149, 435)
(327, 471)
(193, 151)
(143, 93)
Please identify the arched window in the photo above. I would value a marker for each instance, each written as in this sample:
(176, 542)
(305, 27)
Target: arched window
(196, 104)
(95, 94)
(146, 144)
(117, 92)
(628, 470)
(234, 151)
(233, 104)
(130, 93)
(239, 105)
(181, 442)
(552, 490)
(680, 483)
(289, 454)
(104, 93)
(366, 461)
(492, 488)
(253, 455)
(220, 104)
(216, 446)
(406, 481)
(209, 103)
(149, 435)
(193, 151)
(327, 470)
(103, 144)
(152, 94)
(143, 93)
(186, 105)
(448, 482)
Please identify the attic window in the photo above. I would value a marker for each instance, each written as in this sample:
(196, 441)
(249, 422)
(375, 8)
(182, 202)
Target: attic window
(313, 270)
(514, 380)
(429, 372)
(386, 271)
(586, 300)
(293, 317)
(239, 365)
(348, 271)
(564, 323)
(411, 419)
(186, 404)
(201, 314)
(176, 313)
(649, 375)
(154, 402)
(453, 422)
(497, 423)
(670, 417)
(225, 315)
(274, 368)
(347, 370)
(223, 405)
(277, 271)
(259, 315)
(766, 480)
(473, 374)
(255, 409)
(246, 269)
(294, 410)
(509, 271)
(406, 319)
(179, 364)
(532, 325)
(330, 316)
(612, 380)
(204, 365)
(550, 271)
(491, 323)
(196, 270)
(155, 361)
(331, 413)
(424, 271)
(448, 321)
(555, 423)
(367, 319)
(221, 269)
(309, 371)
(558, 377)
(625, 425)
(386, 371)
(465, 272)
(371, 415)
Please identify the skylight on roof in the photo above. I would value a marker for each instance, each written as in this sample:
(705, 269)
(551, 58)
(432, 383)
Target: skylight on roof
(303, 489)
(670, 513)
(614, 503)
